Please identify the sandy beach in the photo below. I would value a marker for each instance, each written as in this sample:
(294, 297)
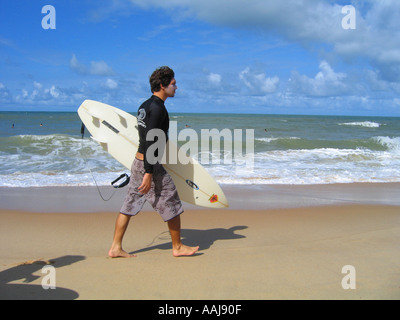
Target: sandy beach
(274, 242)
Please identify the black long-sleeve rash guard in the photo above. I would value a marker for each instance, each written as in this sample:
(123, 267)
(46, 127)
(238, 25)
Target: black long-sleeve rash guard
(152, 114)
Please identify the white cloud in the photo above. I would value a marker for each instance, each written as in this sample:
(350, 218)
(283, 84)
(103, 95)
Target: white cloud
(107, 9)
(99, 68)
(53, 91)
(111, 84)
(37, 85)
(47, 95)
(327, 75)
(307, 22)
(4, 93)
(25, 94)
(214, 78)
(258, 82)
(76, 66)
(376, 84)
(296, 19)
(326, 82)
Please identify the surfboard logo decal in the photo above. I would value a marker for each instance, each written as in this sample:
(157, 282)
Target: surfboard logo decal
(192, 184)
(214, 198)
(109, 126)
(140, 118)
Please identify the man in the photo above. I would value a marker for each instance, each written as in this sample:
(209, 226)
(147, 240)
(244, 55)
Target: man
(149, 180)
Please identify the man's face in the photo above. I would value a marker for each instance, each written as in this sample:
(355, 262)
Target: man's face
(170, 90)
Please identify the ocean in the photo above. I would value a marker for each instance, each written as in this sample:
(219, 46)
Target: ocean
(40, 149)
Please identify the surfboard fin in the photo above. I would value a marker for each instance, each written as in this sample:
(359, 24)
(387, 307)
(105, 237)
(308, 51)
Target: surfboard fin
(99, 139)
(92, 114)
(122, 118)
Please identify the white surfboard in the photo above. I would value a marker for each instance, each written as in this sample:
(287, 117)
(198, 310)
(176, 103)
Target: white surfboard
(116, 131)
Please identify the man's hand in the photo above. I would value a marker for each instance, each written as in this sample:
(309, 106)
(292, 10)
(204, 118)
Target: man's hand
(146, 183)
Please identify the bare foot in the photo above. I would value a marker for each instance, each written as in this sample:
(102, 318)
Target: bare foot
(119, 253)
(184, 251)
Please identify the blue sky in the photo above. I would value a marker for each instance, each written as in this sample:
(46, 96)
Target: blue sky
(239, 56)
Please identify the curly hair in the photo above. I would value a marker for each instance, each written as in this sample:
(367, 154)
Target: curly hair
(161, 76)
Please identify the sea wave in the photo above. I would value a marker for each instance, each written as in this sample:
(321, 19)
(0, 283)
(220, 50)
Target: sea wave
(53, 160)
(380, 162)
(318, 166)
(270, 139)
(63, 160)
(366, 124)
(391, 143)
(378, 143)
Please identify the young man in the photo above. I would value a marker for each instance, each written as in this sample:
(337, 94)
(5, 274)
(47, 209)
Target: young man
(149, 180)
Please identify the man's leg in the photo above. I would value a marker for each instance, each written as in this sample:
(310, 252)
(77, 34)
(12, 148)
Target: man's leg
(178, 249)
(120, 227)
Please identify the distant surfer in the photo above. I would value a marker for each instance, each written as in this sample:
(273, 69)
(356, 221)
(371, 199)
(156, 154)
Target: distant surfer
(151, 182)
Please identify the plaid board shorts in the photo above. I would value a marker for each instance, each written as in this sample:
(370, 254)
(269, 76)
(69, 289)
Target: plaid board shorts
(162, 196)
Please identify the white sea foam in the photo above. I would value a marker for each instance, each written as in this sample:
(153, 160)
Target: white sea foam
(63, 161)
(393, 144)
(270, 139)
(367, 124)
(55, 160)
(317, 166)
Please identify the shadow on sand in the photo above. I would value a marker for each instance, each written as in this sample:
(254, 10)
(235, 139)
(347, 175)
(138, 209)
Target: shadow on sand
(192, 237)
(30, 271)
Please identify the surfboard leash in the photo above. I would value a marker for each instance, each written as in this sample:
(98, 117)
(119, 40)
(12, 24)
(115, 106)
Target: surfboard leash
(116, 187)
